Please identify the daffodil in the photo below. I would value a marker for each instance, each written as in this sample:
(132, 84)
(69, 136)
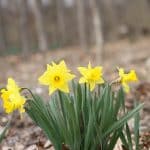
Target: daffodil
(12, 99)
(57, 77)
(126, 78)
(91, 76)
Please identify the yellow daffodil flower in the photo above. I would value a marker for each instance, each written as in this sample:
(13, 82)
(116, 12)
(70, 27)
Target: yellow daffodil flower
(126, 78)
(90, 75)
(12, 100)
(56, 77)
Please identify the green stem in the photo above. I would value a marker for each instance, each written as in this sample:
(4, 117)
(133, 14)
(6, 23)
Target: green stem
(22, 89)
(84, 104)
(5, 129)
(136, 128)
(118, 80)
(85, 94)
(62, 106)
(99, 88)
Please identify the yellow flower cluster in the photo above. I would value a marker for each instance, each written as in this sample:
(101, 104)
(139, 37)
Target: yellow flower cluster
(57, 77)
(12, 99)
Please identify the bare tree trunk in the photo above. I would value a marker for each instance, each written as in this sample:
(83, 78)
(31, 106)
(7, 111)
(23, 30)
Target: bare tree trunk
(42, 41)
(22, 6)
(3, 38)
(110, 18)
(98, 35)
(81, 24)
(137, 16)
(61, 20)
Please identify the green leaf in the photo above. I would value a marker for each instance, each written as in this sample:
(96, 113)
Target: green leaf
(82, 119)
(136, 128)
(4, 131)
(123, 120)
(113, 141)
(119, 102)
(128, 133)
(124, 141)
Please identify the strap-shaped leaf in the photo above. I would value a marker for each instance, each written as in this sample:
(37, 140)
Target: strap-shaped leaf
(123, 120)
(4, 131)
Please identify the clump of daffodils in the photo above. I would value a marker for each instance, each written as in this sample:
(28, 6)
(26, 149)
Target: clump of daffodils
(80, 115)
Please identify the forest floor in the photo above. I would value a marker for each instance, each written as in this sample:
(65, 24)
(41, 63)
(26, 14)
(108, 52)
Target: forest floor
(24, 134)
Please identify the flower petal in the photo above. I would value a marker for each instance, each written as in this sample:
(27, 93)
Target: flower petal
(126, 87)
(64, 88)
(45, 78)
(100, 81)
(82, 80)
(52, 89)
(82, 70)
(92, 86)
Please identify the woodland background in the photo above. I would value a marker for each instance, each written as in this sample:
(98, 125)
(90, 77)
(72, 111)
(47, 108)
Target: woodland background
(31, 25)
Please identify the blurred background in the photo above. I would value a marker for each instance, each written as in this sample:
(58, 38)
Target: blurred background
(110, 32)
(107, 32)
(39, 25)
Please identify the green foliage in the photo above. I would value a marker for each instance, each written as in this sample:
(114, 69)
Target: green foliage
(84, 120)
(136, 129)
(4, 132)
